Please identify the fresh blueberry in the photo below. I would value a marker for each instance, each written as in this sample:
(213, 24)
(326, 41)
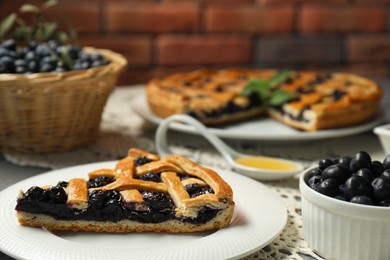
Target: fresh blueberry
(3, 51)
(33, 66)
(377, 168)
(77, 66)
(360, 160)
(314, 181)
(20, 70)
(365, 174)
(381, 188)
(60, 69)
(362, 200)
(85, 64)
(386, 174)
(96, 63)
(32, 45)
(20, 62)
(84, 56)
(48, 60)
(386, 162)
(384, 203)
(42, 50)
(315, 172)
(52, 44)
(73, 51)
(3, 69)
(47, 67)
(345, 161)
(30, 56)
(337, 172)
(355, 186)
(325, 163)
(340, 196)
(8, 63)
(328, 187)
(9, 44)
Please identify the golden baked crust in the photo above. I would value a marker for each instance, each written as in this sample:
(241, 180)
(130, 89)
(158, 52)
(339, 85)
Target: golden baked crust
(205, 94)
(122, 226)
(175, 175)
(320, 101)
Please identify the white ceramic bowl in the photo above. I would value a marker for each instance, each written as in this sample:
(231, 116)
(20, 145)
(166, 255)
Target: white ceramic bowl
(383, 132)
(342, 230)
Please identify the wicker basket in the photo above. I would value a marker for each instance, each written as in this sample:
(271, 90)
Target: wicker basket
(46, 112)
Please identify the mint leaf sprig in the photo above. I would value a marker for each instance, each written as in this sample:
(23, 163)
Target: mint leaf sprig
(264, 89)
(39, 29)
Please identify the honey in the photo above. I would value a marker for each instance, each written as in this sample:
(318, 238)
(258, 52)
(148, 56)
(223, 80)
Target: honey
(266, 163)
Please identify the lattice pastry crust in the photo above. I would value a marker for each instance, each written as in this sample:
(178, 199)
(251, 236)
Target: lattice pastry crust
(192, 198)
(320, 101)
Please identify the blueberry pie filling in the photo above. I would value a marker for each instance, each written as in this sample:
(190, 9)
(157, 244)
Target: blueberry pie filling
(143, 193)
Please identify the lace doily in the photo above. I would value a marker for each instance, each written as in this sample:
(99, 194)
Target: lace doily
(121, 129)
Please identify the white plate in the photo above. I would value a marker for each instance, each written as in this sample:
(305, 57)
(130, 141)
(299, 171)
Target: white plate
(266, 129)
(259, 218)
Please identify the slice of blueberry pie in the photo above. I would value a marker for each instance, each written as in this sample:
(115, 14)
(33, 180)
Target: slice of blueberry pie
(210, 96)
(326, 101)
(318, 101)
(143, 193)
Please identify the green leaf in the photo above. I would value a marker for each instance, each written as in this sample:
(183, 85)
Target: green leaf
(71, 32)
(49, 4)
(251, 86)
(279, 77)
(256, 85)
(39, 34)
(22, 33)
(7, 23)
(29, 8)
(65, 57)
(264, 90)
(278, 97)
(62, 37)
(49, 28)
(39, 29)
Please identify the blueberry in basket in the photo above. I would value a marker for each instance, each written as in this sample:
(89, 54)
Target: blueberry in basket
(37, 45)
(356, 179)
(51, 56)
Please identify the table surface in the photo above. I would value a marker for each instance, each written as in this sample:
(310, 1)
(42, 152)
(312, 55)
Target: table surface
(121, 126)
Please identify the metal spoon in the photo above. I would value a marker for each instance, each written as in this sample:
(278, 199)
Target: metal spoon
(228, 153)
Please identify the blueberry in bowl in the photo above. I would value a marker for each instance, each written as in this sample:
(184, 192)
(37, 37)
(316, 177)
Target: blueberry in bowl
(346, 207)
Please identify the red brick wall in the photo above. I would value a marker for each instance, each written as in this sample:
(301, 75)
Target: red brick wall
(163, 36)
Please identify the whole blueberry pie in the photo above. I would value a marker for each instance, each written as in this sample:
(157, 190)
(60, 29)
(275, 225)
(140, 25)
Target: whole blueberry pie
(143, 193)
(318, 100)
